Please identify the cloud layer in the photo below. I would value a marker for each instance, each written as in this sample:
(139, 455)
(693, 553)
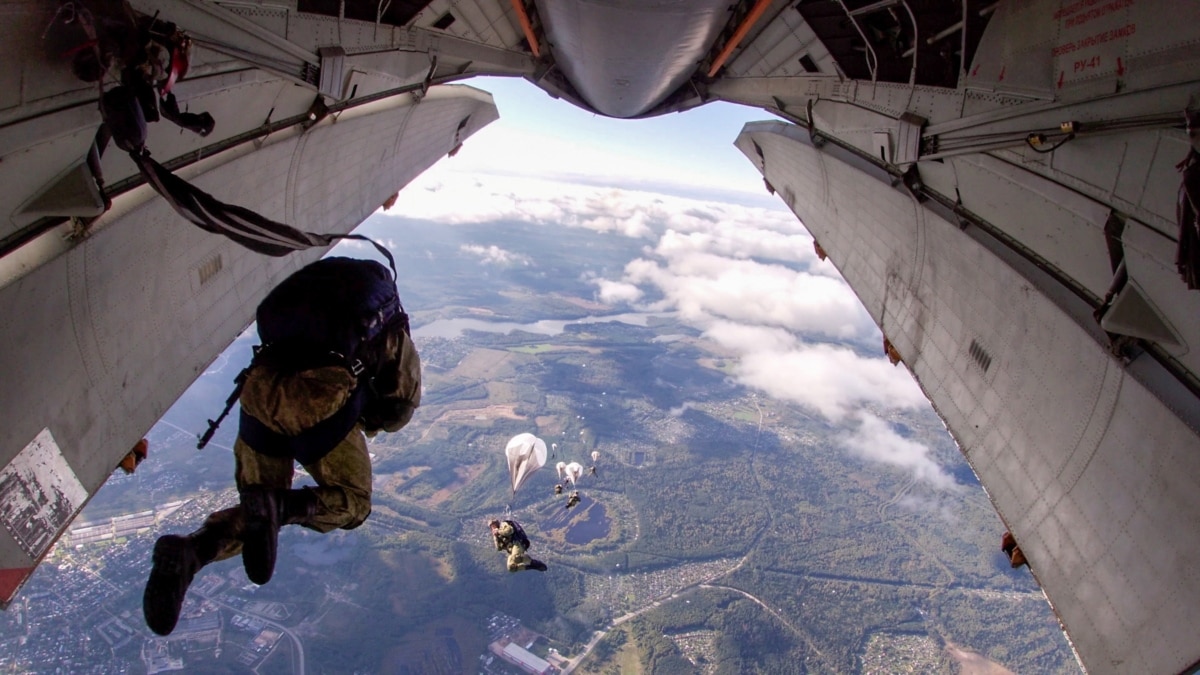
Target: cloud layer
(494, 255)
(874, 439)
(747, 277)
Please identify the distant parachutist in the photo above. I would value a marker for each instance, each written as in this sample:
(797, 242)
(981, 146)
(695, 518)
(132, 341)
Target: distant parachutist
(558, 488)
(573, 499)
(526, 454)
(573, 472)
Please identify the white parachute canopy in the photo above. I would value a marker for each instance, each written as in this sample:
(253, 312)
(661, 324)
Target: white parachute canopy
(561, 468)
(574, 471)
(526, 454)
(595, 455)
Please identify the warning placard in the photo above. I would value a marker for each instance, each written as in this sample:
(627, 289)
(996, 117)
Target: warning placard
(39, 494)
(1092, 38)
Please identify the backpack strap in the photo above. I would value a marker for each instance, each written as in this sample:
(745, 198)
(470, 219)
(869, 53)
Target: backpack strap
(352, 362)
(378, 247)
(311, 444)
(519, 535)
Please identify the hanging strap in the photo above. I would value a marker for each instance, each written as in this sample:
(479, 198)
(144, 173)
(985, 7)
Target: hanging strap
(257, 233)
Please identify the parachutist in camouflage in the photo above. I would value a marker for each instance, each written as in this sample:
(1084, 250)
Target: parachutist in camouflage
(558, 489)
(300, 404)
(573, 500)
(509, 536)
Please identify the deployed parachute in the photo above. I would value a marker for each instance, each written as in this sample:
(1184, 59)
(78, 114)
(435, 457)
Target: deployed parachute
(574, 470)
(526, 454)
(595, 455)
(561, 468)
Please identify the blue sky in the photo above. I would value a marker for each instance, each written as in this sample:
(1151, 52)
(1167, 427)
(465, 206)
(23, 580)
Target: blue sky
(538, 135)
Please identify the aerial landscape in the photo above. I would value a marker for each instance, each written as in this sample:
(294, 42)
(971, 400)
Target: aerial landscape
(725, 530)
(856, 335)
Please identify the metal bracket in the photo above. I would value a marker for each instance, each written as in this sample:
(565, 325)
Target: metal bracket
(816, 139)
(912, 181)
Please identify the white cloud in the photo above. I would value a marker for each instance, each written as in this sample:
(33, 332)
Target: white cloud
(747, 277)
(494, 255)
(454, 198)
(938, 504)
(746, 339)
(614, 292)
(679, 410)
(833, 381)
(874, 439)
(702, 285)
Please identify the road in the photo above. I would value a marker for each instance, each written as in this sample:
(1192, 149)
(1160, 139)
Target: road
(281, 628)
(799, 633)
(657, 602)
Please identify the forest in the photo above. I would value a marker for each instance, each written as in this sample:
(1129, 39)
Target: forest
(822, 538)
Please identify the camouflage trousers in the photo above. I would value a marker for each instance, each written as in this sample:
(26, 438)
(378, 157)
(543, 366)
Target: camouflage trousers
(343, 490)
(518, 559)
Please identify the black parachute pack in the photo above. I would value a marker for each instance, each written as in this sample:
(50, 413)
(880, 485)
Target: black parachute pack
(325, 314)
(519, 535)
(334, 312)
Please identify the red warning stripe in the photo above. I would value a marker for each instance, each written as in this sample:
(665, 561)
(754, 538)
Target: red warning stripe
(10, 580)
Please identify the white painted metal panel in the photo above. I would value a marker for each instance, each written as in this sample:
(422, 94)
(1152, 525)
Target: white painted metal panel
(1098, 478)
(625, 56)
(1149, 257)
(1059, 224)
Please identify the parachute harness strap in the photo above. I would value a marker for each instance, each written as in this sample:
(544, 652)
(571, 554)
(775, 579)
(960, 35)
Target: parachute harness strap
(379, 247)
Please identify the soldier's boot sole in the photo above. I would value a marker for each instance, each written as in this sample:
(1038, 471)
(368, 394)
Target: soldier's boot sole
(175, 565)
(260, 507)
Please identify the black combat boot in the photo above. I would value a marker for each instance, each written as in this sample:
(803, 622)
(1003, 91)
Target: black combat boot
(176, 559)
(260, 508)
(297, 506)
(265, 511)
(537, 565)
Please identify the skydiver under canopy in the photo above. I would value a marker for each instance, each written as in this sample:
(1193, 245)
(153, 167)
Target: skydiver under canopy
(573, 499)
(573, 472)
(509, 536)
(526, 454)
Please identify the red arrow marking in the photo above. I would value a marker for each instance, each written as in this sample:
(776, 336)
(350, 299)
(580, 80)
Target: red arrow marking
(975, 71)
(1120, 67)
(1060, 78)
(1002, 69)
